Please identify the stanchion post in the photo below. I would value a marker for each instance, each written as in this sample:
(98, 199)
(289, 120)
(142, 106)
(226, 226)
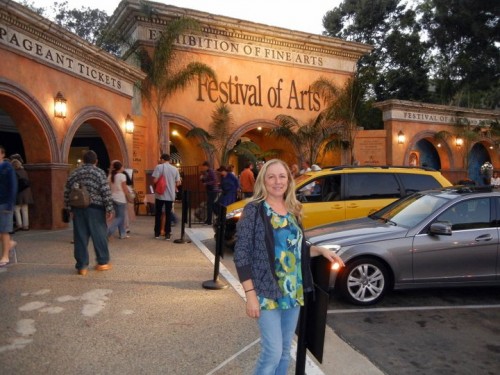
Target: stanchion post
(300, 364)
(312, 321)
(185, 207)
(215, 283)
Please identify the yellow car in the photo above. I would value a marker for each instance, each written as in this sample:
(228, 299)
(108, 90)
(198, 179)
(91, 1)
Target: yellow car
(348, 192)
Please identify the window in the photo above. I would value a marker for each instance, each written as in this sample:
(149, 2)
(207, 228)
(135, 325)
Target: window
(469, 214)
(372, 186)
(418, 182)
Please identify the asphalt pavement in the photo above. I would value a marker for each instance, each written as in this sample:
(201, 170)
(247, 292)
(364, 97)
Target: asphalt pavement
(150, 314)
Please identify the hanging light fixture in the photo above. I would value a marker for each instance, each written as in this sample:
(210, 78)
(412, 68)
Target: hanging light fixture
(60, 106)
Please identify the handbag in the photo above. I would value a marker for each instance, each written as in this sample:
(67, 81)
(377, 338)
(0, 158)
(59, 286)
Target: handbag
(161, 184)
(131, 195)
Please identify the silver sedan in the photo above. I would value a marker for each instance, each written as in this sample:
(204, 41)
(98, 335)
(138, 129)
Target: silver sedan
(437, 238)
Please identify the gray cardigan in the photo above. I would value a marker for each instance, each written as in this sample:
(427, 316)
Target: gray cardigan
(254, 253)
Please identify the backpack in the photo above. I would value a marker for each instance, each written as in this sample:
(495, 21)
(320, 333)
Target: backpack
(79, 196)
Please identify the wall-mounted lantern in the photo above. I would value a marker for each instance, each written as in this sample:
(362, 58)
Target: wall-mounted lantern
(459, 142)
(60, 107)
(401, 138)
(129, 125)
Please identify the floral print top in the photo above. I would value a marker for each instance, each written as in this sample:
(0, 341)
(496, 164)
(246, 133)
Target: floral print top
(287, 261)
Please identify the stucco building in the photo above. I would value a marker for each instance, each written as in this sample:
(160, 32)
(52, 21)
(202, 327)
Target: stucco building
(262, 71)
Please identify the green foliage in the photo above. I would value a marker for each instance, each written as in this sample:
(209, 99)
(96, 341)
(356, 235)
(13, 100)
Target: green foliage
(307, 138)
(439, 51)
(346, 111)
(89, 24)
(215, 142)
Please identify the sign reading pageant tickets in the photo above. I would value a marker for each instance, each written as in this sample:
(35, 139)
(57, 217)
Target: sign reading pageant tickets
(60, 59)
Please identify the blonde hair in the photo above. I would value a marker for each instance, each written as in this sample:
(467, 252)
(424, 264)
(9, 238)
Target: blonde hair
(260, 193)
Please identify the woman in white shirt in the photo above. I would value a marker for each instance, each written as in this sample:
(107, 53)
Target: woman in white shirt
(119, 192)
(495, 180)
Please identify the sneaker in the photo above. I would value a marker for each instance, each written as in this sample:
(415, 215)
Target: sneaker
(124, 237)
(167, 237)
(157, 237)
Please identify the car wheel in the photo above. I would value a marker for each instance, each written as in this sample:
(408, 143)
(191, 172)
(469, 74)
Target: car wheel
(364, 281)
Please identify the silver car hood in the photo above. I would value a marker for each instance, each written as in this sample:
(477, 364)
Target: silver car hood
(354, 232)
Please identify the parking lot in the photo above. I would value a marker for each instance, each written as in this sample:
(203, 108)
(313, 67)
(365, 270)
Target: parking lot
(438, 331)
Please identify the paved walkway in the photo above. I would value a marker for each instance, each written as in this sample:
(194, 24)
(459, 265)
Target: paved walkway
(149, 315)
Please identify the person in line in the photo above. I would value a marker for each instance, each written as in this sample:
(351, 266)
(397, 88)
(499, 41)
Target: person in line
(294, 169)
(495, 180)
(258, 167)
(24, 196)
(130, 213)
(121, 195)
(209, 180)
(272, 260)
(229, 186)
(8, 193)
(90, 222)
(165, 201)
(306, 167)
(247, 180)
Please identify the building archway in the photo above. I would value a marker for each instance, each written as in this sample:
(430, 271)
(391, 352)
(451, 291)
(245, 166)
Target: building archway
(25, 116)
(175, 130)
(431, 153)
(105, 128)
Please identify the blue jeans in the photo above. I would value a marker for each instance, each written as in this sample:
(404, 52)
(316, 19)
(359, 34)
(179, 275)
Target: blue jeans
(277, 328)
(119, 220)
(88, 223)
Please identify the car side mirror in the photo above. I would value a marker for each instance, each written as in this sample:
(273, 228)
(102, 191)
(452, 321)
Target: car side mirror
(441, 228)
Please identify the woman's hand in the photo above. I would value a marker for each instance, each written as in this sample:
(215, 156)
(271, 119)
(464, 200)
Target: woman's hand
(328, 254)
(253, 306)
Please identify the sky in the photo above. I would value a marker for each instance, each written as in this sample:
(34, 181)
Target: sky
(298, 15)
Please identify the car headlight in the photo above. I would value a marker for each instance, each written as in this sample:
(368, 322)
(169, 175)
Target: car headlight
(234, 214)
(335, 248)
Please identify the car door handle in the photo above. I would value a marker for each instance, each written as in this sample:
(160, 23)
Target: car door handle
(337, 207)
(352, 205)
(484, 237)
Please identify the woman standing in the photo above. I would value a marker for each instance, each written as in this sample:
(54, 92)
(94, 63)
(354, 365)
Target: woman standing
(120, 194)
(273, 263)
(24, 196)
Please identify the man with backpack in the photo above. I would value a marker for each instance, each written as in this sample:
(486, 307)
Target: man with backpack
(90, 218)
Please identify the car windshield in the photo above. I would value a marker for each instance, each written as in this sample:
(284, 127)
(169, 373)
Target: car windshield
(409, 211)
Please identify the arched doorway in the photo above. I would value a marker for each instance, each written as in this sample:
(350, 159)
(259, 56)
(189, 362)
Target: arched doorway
(428, 155)
(478, 155)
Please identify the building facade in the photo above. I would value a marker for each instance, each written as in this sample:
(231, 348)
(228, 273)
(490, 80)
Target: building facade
(262, 72)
